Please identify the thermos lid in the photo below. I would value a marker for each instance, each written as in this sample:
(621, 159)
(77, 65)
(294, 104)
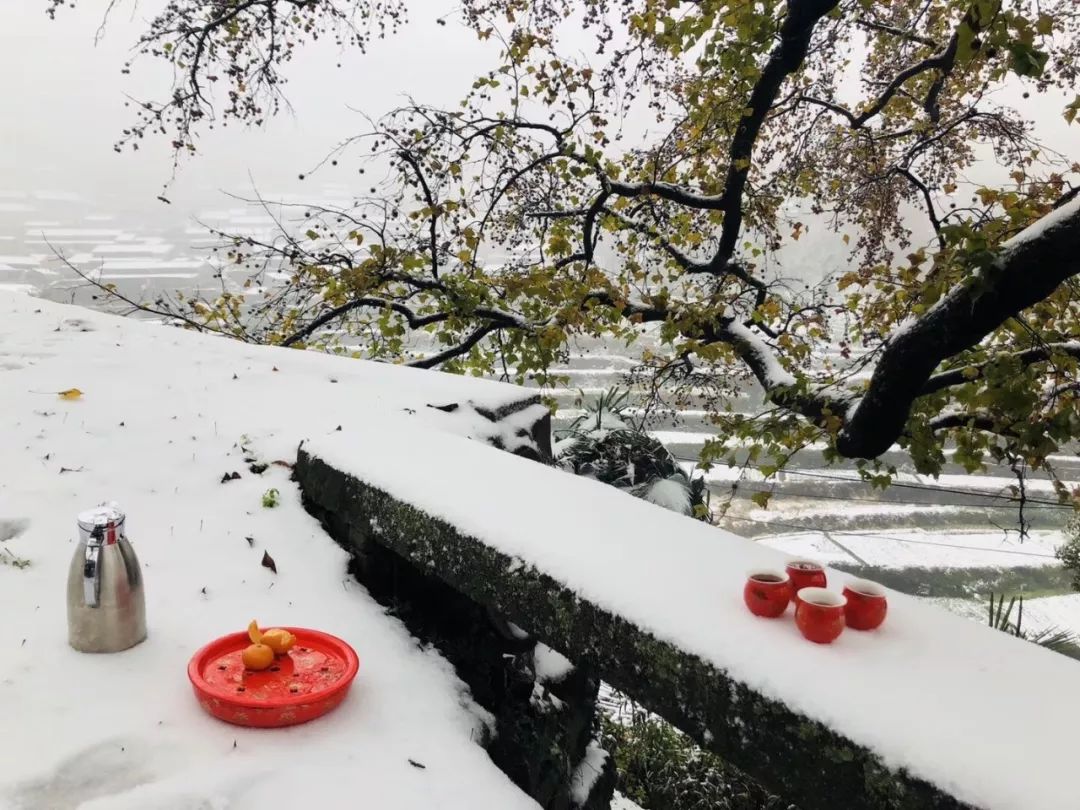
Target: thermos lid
(107, 515)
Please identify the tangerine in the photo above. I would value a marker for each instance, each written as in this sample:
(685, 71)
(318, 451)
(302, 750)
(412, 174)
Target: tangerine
(257, 656)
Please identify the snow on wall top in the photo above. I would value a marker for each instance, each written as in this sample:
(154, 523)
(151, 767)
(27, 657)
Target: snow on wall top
(953, 702)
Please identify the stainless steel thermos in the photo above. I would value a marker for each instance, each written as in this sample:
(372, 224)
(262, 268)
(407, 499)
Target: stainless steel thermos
(106, 605)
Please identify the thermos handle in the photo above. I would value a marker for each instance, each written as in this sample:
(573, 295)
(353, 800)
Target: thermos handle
(92, 568)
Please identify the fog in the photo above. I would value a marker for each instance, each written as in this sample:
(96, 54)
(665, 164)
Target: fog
(63, 108)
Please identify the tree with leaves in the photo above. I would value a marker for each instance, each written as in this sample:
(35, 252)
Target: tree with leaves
(534, 211)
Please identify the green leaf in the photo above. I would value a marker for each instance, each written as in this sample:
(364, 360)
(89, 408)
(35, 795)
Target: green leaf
(1072, 110)
(313, 235)
(965, 38)
(761, 499)
(1027, 60)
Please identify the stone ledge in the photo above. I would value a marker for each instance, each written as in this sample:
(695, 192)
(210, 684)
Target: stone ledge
(800, 758)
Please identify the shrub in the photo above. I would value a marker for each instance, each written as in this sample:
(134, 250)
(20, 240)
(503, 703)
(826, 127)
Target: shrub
(1069, 551)
(660, 768)
(602, 444)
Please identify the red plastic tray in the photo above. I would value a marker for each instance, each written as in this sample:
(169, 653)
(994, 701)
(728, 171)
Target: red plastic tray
(307, 682)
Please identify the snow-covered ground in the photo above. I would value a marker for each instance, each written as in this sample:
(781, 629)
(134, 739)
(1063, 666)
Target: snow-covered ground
(162, 418)
(1041, 613)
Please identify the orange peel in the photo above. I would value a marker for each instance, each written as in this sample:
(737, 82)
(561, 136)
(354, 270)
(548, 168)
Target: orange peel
(279, 640)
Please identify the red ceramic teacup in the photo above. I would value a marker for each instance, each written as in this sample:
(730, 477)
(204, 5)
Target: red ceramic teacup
(819, 614)
(866, 604)
(805, 574)
(767, 592)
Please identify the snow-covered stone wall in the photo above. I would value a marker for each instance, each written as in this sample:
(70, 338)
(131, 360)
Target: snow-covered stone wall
(929, 711)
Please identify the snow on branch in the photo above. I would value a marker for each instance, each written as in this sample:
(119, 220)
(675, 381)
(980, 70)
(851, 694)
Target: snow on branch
(1028, 268)
(1063, 217)
(758, 355)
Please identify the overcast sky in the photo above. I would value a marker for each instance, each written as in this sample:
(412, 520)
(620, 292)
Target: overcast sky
(62, 101)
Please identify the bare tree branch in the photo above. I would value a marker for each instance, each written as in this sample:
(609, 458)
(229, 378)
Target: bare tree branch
(978, 421)
(455, 351)
(874, 25)
(433, 246)
(691, 199)
(415, 321)
(786, 58)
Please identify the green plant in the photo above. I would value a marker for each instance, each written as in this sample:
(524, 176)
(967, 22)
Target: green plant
(606, 411)
(1052, 638)
(636, 462)
(660, 767)
(1069, 551)
(271, 498)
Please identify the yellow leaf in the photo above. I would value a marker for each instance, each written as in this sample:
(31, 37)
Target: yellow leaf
(71, 393)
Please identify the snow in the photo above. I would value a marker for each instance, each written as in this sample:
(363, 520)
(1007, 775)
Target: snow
(620, 802)
(22, 289)
(916, 692)
(1057, 218)
(1040, 613)
(161, 419)
(587, 772)
(515, 427)
(1060, 612)
(763, 359)
(670, 493)
(550, 665)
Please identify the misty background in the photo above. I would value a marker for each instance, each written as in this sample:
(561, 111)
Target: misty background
(64, 108)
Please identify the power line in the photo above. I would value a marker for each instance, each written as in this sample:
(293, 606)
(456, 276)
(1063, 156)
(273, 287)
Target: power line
(858, 533)
(929, 488)
(1013, 501)
(882, 501)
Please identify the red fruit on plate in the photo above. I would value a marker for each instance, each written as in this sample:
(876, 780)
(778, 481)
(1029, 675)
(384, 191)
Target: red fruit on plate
(310, 681)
